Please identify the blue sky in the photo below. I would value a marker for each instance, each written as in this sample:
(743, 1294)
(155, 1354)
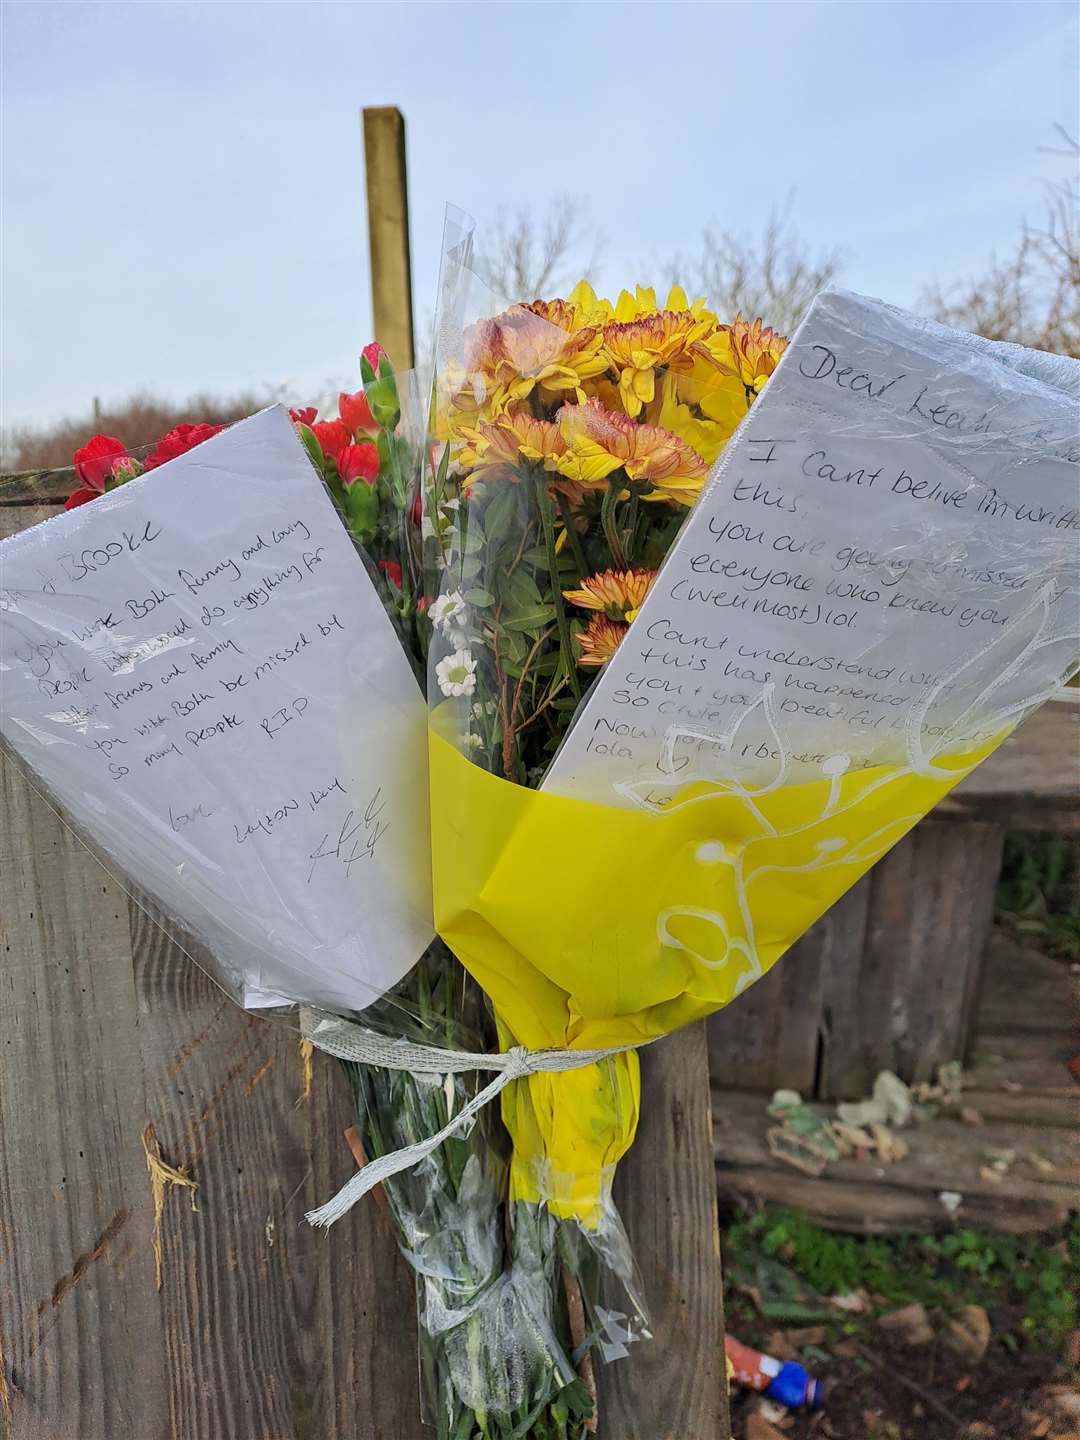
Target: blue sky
(183, 184)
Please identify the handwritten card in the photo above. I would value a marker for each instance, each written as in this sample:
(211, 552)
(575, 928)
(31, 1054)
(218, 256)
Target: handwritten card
(883, 568)
(200, 670)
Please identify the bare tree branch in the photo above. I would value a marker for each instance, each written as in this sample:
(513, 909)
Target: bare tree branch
(1032, 296)
(522, 259)
(773, 274)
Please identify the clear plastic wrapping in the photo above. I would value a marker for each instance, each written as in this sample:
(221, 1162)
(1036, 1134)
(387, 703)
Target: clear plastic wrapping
(719, 619)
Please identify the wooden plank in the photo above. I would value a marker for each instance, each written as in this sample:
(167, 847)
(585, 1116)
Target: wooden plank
(882, 1209)
(909, 1006)
(388, 232)
(1032, 782)
(945, 1156)
(1028, 992)
(36, 487)
(259, 1308)
(80, 1332)
(21, 517)
(675, 1386)
(773, 1035)
(1025, 1107)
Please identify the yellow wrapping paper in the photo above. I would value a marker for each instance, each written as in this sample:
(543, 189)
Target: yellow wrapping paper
(592, 927)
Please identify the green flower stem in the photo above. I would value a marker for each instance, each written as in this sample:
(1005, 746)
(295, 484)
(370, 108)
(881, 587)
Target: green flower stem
(571, 534)
(547, 521)
(607, 521)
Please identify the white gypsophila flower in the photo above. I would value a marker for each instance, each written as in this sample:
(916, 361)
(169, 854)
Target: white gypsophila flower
(457, 674)
(447, 612)
(472, 742)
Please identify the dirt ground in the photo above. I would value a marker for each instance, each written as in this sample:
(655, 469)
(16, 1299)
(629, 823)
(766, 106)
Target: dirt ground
(887, 1391)
(890, 1392)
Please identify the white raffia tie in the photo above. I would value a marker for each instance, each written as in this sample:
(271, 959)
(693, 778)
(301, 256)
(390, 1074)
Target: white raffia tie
(352, 1042)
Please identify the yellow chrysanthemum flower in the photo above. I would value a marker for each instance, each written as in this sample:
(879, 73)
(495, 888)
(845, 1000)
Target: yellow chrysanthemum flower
(710, 415)
(592, 310)
(643, 303)
(618, 594)
(599, 442)
(598, 643)
(588, 309)
(636, 349)
(750, 350)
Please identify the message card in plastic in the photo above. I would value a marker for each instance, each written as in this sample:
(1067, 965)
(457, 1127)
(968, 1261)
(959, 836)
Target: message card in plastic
(200, 671)
(883, 569)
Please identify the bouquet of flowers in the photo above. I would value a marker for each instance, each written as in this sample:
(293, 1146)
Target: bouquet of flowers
(515, 529)
(593, 440)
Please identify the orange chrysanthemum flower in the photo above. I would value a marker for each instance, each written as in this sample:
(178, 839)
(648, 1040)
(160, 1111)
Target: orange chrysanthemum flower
(618, 594)
(600, 441)
(751, 351)
(637, 348)
(556, 312)
(598, 643)
(495, 449)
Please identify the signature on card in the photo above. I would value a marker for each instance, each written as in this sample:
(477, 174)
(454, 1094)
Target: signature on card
(356, 839)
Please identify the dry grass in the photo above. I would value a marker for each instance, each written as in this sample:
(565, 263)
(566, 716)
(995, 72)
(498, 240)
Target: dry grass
(140, 420)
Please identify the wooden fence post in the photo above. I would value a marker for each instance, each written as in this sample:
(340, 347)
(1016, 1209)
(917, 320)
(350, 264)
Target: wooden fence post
(388, 232)
(675, 1386)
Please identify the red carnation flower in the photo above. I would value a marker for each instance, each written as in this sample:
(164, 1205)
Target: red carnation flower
(373, 353)
(356, 413)
(332, 437)
(359, 462)
(305, 416)
(94, 462)
(392, 570)
(79, 497)
(178, 442)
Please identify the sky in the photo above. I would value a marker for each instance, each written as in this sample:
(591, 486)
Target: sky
(182, 185)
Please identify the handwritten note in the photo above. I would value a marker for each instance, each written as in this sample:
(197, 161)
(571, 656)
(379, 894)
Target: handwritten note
(883, 567)
(200, 670)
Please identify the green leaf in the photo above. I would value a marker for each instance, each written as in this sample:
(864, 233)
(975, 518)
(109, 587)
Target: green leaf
(480, 598)
(511, 646)
(534, 619)
(500, 515)
(521, 591)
